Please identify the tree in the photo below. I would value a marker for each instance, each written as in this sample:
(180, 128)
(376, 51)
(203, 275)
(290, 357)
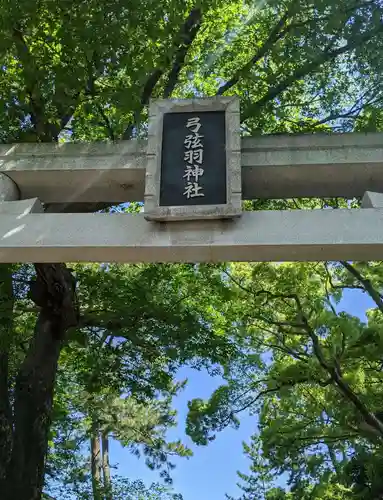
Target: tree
(124, 489)
(115, 376)
(74, 467)
(312, 373)
(73, 472)
(86, 71)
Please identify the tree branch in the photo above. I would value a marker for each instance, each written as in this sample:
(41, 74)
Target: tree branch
(299, 355)
(275, 35)
(259, 292)
(324, 438)
(94, 70)
(352, 114)
(91, 92)
(181, 44)
(333, 458)
(106, 122)
(309, 68)
(336, 376)
(288, 383)
(366, 284)
(45, 131)
(188, 34)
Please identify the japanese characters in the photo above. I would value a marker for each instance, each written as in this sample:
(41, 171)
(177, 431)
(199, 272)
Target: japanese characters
(193, 158)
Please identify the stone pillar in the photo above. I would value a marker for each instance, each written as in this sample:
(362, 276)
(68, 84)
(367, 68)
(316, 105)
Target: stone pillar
(8, 189)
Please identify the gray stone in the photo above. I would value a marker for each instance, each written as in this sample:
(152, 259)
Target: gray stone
(281, 166)
(21, 207)
(297, 235)
(8, 189)
(372, 200)
(233, 208)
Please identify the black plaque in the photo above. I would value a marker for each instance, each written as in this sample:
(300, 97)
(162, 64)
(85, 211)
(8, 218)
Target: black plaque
(212, 183)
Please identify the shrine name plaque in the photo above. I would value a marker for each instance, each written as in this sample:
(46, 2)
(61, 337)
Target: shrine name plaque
(193, 159)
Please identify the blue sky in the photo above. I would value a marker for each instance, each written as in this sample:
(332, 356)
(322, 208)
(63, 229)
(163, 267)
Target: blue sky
(211, 472)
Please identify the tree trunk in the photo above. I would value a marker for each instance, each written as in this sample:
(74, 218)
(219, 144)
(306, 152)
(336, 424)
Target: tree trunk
(6, 323)
(95, 453)
(106, 467)
(54, 292)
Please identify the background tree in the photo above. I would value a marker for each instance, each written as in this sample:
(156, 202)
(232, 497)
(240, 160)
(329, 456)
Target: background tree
(116, 372)
(311, 373)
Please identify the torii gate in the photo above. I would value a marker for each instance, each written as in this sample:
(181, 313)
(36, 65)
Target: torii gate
(72, 176)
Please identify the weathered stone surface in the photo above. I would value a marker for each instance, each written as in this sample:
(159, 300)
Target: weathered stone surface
(372, 200)
(8, 189)
(21, 207)
(318, 165)
(256, 236)
(163, 194)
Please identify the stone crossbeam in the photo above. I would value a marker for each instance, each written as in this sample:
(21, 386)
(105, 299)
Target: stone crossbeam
(284, 166)
(301, 235)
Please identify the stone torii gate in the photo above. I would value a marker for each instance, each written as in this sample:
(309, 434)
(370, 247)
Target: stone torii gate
(39, 180)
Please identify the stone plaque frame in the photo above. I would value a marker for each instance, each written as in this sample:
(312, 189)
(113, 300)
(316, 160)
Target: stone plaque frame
(233, 206)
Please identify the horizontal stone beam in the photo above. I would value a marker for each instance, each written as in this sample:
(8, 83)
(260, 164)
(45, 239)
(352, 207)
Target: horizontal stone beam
(21, 207)
(281, 166)
(305, 235)
(372, 200)
(77, 173)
